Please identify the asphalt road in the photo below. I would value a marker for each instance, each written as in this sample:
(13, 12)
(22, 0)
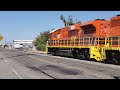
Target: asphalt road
(16, 64)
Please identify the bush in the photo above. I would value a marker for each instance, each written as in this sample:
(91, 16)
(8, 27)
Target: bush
(40, 40)
(5, 45)
(41, 47)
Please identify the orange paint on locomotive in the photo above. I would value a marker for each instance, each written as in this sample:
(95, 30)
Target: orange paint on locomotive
(115, 26)
(65, 33)
(96, 28)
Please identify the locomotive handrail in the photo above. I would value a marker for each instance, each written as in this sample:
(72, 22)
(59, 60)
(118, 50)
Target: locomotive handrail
(115, 41)
(88, 41)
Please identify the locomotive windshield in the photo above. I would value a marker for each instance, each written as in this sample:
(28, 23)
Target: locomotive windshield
(88, 29)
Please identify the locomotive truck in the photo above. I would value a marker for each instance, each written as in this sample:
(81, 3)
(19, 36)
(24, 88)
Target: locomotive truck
(97, 39)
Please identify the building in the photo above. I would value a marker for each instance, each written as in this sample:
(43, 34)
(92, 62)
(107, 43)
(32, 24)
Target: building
(22, 43)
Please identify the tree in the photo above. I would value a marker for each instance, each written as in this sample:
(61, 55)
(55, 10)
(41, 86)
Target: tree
(40, 40)
(52, 29)
(5, 46)
(69, 21)
(63, 19)
(78, 21)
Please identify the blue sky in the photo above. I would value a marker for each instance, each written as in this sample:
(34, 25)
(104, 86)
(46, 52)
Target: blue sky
(28, 24)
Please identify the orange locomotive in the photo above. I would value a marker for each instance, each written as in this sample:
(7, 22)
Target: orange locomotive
(89, 40)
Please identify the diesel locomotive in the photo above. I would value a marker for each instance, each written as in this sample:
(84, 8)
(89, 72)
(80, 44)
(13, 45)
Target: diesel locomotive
(97, 39)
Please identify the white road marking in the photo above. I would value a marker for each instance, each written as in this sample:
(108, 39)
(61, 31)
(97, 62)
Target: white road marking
(13, 69)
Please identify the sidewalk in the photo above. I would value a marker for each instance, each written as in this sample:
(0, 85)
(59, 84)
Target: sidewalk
(39, 52)
(5, 71)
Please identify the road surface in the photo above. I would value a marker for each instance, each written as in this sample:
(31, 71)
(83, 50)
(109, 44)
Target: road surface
(15, 64)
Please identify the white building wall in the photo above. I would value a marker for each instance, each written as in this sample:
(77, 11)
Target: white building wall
(25, 43)
(22, 41)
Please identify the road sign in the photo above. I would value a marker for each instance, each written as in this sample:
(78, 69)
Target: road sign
(1, 37)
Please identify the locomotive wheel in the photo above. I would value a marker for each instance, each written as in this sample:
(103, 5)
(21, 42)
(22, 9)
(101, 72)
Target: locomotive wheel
(119, 61)
(80, 55)
(74, 53)
(115, 58)
(114, 61)
(53, 53)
